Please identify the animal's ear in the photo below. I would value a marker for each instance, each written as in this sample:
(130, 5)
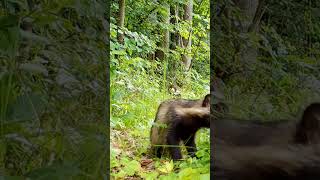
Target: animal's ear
(311, 116)
(206, 101)
(309, 125)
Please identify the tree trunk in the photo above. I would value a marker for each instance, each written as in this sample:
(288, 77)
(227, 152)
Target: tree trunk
(166, 37)
(252, 10)
(164, 44)
(174, 37)
(249, 9)
(122, 4)
(186, 42)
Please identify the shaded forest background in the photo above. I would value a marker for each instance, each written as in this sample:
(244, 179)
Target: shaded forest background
(53, 60)
(267, 55)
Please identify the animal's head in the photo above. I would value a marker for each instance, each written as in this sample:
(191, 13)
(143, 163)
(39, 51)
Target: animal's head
(308, 128)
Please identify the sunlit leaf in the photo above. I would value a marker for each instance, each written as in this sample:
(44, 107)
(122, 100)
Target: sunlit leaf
(167, 167)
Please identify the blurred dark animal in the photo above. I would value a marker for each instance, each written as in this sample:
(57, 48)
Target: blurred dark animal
(255, 133)
(258, 150)
(178, 120)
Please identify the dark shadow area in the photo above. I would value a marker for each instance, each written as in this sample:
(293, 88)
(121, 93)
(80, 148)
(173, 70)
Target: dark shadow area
(265, 63)
(53, 89)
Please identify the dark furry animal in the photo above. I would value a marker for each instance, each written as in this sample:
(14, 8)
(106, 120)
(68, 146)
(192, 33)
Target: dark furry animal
(255, 133)
(179, 120)
(286, 150)
(308, 128)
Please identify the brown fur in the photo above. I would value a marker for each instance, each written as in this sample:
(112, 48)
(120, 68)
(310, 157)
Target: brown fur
(253, 133)
(308, 128)
(162, 117)
(172, 117)
(279, 150)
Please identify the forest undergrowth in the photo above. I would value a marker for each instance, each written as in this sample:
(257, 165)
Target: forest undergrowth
(136, 96)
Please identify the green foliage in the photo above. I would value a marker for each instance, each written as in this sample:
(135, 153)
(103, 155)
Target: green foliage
(285, 73)
(139, 83)
(9, 34)
(52, 84)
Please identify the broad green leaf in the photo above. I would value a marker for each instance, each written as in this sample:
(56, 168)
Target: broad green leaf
(167, 168)
(205, 176)
(33, 37)
(118, 52)
(9, 35)
(42, 20)
(8, 21)
(150, 175)
(189, 173)
(132, 167)
(34, 68)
